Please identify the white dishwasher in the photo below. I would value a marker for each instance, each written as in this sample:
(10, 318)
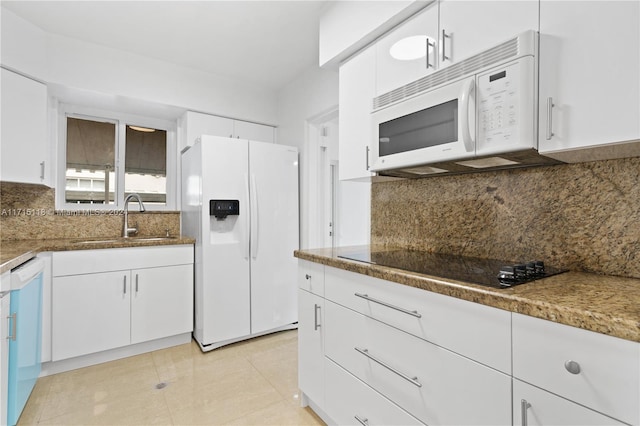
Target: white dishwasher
(25, 335)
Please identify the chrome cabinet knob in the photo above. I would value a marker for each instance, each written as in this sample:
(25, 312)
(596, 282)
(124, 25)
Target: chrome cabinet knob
(572, 367)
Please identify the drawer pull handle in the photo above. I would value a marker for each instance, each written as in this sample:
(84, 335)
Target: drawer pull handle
(316, 324)
(363, 422)
(524, 406)
(388, 305)
(307, 276)
(413, 380)
(572, 367)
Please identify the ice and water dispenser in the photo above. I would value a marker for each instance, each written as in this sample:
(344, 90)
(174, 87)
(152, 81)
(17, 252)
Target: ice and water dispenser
(223, 222)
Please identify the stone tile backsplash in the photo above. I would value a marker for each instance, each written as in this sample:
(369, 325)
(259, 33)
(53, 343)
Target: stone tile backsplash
(585, 217)
(28, 212)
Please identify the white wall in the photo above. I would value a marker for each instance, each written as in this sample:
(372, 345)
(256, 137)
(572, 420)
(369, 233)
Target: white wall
(90, 67)
(311, 95)
(23, 45)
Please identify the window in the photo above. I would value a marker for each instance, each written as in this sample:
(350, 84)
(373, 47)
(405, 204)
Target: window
(106, 156)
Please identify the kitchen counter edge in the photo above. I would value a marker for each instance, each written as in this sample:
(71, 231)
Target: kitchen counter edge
(606, 304)
(13, 253)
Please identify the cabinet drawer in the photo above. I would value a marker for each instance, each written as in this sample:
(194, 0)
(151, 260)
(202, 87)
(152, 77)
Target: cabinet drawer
(91, 261)
(543, 408)
(351, 402)
(609, 376)
(431, 383)
(311, 277)
(476, 331)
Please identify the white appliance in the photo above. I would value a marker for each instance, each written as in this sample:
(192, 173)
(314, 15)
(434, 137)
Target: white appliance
(240, 203)
(476, 114)
(24, 335)
(5, 301)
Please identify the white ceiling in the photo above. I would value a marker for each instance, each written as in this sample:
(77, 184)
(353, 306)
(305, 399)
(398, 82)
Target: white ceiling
(267, 43)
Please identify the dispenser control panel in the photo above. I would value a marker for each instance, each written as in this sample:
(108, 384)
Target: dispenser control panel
(223, 208)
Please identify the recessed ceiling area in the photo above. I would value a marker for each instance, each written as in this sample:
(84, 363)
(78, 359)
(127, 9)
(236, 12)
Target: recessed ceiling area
(267, 43)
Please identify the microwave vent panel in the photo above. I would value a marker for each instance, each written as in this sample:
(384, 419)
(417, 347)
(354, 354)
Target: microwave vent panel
(507, 50)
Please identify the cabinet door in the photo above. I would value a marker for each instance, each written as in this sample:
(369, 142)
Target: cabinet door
(356, 93)
(161, 302)
(470, 27)
(535, 407)
(409, 52)
(90, 313)
(198, 124)
(589, 67)
(311, 346)
(25, 149)
(253, 131)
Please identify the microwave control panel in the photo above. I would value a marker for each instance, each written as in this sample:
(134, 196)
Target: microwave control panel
(498, 110)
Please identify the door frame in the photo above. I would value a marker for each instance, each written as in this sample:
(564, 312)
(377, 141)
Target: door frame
(316, 178)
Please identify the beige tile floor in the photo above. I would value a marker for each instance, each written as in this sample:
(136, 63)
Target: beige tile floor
(248, 383)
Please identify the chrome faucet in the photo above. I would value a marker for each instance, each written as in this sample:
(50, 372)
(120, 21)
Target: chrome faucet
(126, 230)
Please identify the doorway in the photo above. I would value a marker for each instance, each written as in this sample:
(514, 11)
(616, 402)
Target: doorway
(323, 180)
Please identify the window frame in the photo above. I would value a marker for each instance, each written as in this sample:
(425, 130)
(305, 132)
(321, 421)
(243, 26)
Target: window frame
(121, 120)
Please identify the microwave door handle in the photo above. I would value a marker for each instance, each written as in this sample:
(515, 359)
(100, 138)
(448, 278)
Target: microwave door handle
(465, 124)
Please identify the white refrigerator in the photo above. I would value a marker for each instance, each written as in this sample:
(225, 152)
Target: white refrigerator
(240, 203)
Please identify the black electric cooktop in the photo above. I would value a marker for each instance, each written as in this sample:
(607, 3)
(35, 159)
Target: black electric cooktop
(487, 272)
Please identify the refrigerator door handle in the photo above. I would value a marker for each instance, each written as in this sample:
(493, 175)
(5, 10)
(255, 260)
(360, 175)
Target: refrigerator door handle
(247, 215)
(254, 217)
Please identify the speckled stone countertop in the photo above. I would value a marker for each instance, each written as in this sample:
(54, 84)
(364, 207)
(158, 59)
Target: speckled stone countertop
(15, 252)
(604, 304)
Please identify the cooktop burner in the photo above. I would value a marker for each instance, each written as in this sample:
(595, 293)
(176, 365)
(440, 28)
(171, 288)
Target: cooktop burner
(486, 272)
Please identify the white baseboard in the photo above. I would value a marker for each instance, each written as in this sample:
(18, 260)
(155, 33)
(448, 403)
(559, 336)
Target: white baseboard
(55, 367)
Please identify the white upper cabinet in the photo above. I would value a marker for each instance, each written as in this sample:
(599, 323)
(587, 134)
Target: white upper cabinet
(25, 148)
(196, 124)
(356, 92)
(589, 73)
(446, 32)
(408, 52)
(470, 27)
(253, 131)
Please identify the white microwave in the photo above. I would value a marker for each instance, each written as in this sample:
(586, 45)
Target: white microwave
(480, 113)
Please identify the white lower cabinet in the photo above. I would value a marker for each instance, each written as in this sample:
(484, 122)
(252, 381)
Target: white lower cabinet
(161, 299)
(393, 354)
(351, 402)
(479, 332)
(363, 362)
(594, 370)
(434, 384)
(311, 376)
(535, 407)
(94, 310)
(91, 313)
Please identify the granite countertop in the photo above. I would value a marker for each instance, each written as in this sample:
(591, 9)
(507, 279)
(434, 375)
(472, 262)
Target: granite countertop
(601, 303)
(15, 252)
